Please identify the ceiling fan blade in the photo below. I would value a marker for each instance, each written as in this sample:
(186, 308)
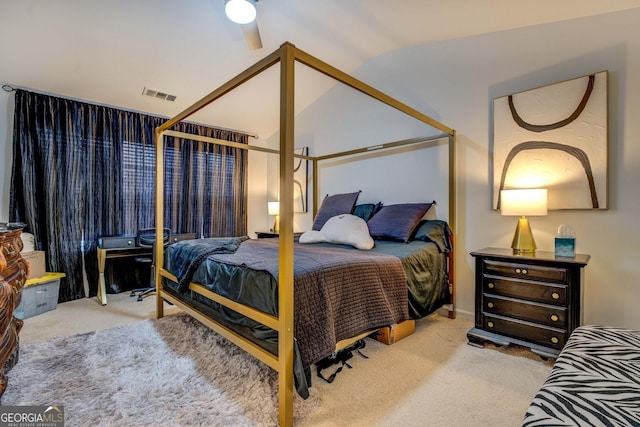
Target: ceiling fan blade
(252, 35)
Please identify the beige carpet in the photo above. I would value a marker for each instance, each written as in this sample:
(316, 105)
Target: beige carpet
(432, 378)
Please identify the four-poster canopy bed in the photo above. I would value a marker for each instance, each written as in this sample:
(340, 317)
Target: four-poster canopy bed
(281, 357)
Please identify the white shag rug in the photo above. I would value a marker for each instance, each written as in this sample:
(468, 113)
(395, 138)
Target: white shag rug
(173, 371)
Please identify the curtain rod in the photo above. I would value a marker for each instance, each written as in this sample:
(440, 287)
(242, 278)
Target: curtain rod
(9, 88)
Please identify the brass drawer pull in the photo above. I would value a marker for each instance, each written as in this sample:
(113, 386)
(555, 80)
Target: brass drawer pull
(554, 317)
(490, 285)
(524, 271)
(490, 305)
(518, 270)
(490, 324)
(554, 340)
(555, 295)
(521, 270)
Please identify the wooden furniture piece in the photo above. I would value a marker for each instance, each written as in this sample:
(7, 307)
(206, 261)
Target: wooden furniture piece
(13, 274)
(270, 234)
(286, 57)
(124, 246)
(530, 300)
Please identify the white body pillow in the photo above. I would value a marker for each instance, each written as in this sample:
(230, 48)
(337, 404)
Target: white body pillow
(342, 229)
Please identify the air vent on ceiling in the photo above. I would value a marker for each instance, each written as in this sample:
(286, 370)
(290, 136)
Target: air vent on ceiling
(157, 94)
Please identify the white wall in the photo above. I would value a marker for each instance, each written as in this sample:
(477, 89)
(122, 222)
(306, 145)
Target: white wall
(455, 82)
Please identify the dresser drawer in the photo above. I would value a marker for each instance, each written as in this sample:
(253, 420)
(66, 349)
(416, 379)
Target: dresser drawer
(548, 315)
(548, 337)
(555, 294)
(525, 271)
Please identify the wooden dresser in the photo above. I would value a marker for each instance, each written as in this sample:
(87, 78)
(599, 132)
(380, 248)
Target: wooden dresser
(13, 274)
(530, 300)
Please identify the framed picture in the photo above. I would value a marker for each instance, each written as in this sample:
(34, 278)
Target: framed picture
(300, 181)
(554, 137)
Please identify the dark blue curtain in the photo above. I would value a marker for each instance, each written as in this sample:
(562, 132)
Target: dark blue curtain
(81, 171)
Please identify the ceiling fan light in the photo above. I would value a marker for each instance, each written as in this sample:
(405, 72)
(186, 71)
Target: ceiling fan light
(240, 11)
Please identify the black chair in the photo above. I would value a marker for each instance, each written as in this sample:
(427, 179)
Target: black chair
(146, 238)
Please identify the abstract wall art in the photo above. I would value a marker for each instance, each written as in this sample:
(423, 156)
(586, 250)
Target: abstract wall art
(554, 137)
(300, 180)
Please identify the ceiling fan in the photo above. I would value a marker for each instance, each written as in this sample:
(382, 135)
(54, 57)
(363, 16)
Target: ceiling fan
(244, 12)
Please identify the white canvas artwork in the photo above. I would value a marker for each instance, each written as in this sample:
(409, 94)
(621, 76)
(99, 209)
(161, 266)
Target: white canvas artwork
(554, 137)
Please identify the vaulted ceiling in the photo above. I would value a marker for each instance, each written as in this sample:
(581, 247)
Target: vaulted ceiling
(107, 51)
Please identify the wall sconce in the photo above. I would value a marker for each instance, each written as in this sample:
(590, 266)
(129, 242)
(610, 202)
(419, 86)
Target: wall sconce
(273, 208)
(523, 202)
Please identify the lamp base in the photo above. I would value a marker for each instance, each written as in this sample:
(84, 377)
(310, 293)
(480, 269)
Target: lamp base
(523, 241)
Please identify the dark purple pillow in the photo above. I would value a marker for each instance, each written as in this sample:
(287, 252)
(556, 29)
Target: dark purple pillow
(337, 204)
(397, 222)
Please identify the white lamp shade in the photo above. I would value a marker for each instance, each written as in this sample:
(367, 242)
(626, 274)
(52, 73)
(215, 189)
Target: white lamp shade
(524, 202)
(273, 208)
(240, 11)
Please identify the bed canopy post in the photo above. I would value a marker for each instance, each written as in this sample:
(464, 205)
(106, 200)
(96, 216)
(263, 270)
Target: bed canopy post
(452, 181)
(159, 247)
(452, 219)
(285, 288)
(314, 179)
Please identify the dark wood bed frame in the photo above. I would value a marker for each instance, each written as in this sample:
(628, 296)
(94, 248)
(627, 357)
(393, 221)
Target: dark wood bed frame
(286, 56)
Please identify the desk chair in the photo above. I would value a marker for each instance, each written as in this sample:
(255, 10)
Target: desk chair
(146, 238)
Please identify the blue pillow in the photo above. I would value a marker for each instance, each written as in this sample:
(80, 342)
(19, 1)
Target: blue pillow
(397, 222)
(367, 210)
(337, 204)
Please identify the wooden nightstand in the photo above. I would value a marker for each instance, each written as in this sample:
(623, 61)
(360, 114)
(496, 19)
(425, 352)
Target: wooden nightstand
(269, 234)
(530, 300)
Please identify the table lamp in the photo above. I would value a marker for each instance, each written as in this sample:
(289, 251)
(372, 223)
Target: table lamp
(523, 202)
(274, 209)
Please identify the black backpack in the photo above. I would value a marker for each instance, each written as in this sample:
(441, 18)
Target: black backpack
(340, 357)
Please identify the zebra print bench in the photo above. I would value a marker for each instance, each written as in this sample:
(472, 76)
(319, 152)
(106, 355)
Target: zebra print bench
(594, 382)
